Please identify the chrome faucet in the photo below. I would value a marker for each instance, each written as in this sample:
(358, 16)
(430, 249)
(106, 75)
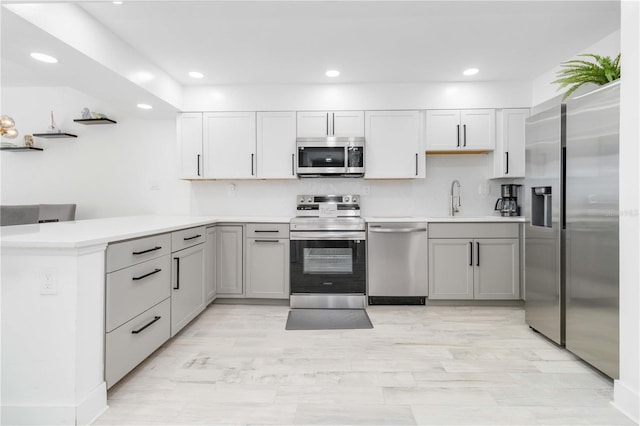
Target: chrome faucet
(455, 204)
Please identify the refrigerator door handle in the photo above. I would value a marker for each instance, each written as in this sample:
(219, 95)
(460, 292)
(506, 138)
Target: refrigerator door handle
(563, 202)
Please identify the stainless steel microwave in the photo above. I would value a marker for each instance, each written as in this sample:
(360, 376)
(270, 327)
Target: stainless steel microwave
(330, 156)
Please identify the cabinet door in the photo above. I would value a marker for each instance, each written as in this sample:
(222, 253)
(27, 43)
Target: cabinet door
(478, 129)
(394, 148)
(450, 268)
(210, 266)
(276, 145)
(508, 158)
(230, 145)
(268, 268)
(229, 260)
(190, 145)
(347, 123)
(312, 123)
(187, 286)
(497, 266)
(443, 130)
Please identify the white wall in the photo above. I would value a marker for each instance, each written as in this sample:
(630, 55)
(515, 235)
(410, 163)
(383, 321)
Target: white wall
(627, 388)
(109, 170)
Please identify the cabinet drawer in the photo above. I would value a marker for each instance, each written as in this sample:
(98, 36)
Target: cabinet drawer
(188, 237)
(473, 230)
(135, 289)
(127, 253)
(268, 230)
(131, 343)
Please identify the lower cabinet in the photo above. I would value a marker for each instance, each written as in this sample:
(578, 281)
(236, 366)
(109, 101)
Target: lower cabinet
(128, 345)
(229, 239)
(210, 265)
(474, 261)
(267, 265)
(187, 299)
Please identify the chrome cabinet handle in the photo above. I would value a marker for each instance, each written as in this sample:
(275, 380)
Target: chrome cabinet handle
(192, 238)
(146, 275)
(136, 253)
(155, 319)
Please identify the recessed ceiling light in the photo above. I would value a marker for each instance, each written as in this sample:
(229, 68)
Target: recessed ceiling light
(471, 71)
(195, 74)
(44, 58)
(117, 2)
(332, 73)
(144, 106)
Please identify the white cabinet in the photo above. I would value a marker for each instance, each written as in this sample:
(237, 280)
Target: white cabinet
(508, 157)
(229, 254)
(210, 265)
(330, 123)
(229, 145)
(474, 261)
(190, 152)
(188, 277)
(267, 262)
(276, 145)
(458, 130)
(394, 148)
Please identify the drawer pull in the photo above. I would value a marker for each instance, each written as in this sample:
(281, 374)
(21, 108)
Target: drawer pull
(135, 253)
(146, 275)
(266, 230)
(266, 241)
(192, 238)
(140, 330)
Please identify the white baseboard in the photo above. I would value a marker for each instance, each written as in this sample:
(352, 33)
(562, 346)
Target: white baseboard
(626, 400)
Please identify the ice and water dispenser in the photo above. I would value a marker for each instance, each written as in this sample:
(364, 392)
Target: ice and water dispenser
(541, 206)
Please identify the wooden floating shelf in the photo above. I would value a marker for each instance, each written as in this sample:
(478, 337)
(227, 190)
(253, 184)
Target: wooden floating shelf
(456, 152)
(60, 135)
(20, 148)
(95, 121)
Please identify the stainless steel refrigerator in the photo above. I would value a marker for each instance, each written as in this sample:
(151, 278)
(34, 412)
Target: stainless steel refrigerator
(571, 235)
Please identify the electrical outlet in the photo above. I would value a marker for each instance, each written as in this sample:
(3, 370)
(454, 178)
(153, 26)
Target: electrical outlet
(49, 281)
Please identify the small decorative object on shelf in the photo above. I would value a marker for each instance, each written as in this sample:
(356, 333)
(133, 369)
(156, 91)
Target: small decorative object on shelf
(8, 127)
(89, 117)
(53, 132)
(28, 141)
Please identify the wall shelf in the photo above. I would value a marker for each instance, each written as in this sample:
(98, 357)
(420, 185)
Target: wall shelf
(20, 148)
(54, 135)
(95, 121)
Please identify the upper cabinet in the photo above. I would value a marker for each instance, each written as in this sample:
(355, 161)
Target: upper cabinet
(394, 148)
(190, 145)
(276, 145)
(330, 123)
(229, 145)
(508, 158)
(460, 130)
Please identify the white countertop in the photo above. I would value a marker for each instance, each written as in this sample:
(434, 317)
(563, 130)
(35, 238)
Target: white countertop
(92, 232)
(445, 219)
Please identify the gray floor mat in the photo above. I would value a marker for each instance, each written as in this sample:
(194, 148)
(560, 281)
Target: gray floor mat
(327, 319)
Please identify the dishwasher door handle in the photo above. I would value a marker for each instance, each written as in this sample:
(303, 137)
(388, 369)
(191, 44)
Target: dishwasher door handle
(397, 230)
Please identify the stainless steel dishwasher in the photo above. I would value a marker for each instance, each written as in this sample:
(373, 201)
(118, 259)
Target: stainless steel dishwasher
(397, 263)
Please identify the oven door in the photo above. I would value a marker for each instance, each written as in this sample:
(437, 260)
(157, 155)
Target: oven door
(328, 266)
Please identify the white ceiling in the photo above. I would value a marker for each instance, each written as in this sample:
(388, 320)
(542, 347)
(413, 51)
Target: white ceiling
(295, 42)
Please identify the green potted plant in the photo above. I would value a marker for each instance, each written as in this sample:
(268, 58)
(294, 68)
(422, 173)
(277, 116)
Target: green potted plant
(577, 72)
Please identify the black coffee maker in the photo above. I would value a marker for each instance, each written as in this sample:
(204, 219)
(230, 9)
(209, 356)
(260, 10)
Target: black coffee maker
(507, 204)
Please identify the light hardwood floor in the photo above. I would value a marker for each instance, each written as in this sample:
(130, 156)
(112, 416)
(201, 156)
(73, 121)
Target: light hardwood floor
(437, 365)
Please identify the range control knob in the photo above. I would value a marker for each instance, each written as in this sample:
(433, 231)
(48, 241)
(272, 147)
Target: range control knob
(347, 198)
(301, 200)
(309, 199)
(354, 199)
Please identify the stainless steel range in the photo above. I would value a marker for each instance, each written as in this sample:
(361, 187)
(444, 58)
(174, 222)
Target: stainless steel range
(328, 253)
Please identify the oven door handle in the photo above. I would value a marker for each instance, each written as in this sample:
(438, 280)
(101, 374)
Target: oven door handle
(397, 230)
(328, 235)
